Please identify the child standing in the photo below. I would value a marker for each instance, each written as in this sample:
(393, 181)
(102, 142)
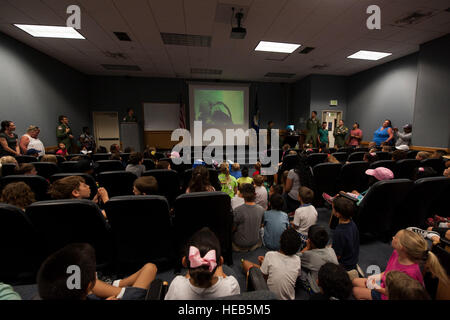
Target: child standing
(236, 170)
(275, 222)
(247, 222)
(315, 255)
(227, 181)
(306, 215)
(346, 234)
(257, 169)
(410, 249)
(62, 151)
(261, 191)
(281, 267)
(245, 178)
(205, 278)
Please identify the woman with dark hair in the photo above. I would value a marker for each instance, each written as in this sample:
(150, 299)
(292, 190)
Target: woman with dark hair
(200, 180)
(355, 136)
(9, 145)
(299, 176)
(384, 134)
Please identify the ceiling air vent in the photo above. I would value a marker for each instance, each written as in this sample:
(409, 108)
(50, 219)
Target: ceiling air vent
(121, 67)
(188, 40)
(413, 18)
(306, 50)
(115, 55)
(122, 36)
(320, 66)
(279, 75)
(205, 71)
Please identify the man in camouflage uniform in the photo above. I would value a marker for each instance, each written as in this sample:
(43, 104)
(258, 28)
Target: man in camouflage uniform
(339, 134)
(312, 125)
(64, 133)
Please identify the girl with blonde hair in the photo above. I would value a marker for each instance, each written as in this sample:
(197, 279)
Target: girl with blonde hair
(410, 252)
(227, 181)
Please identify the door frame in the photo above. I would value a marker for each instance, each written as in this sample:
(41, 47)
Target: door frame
(95, 130)
(339, 116)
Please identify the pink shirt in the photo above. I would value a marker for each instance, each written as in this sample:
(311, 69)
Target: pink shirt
(411, 270)
(354, 141)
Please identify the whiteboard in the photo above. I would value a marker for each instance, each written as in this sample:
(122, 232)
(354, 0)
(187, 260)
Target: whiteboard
(161, 116)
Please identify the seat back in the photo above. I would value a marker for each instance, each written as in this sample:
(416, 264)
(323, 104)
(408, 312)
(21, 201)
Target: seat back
(326, 177)
(381, 155)
(168, 183)
(101, 156)
(213, 178)
(125, 156)
(353, 176)
(340, 156)
(68, 166)
(25, 159)
(117, 183)
(142, 230)
(61, 222)
(46, 169)
(194, 211)
(18, 246)
(427, 198)
(404, 169)
(437, 164)
(37, 184)
(290, 162)
(69, 157)
(316, 158)
(356, 156)
(8, 169)
(332, 150)
(390, 164)
(346, 150)
(149, 164)
(412, 154)
(380, 208)
(362, 149)
(109, 165)
(88, 178)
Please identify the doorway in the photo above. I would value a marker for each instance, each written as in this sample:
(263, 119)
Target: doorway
(106, 128)
(331, 117)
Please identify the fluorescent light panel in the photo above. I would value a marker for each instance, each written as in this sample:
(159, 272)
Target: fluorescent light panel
(369, 55)
(40, 31)
(276, 47)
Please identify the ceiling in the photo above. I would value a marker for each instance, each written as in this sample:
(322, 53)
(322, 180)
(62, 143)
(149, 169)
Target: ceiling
(335, 28)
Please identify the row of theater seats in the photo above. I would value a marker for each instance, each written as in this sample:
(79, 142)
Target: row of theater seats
(139, 229)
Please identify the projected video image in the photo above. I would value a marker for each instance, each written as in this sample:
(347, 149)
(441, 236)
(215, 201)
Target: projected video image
(219, 107)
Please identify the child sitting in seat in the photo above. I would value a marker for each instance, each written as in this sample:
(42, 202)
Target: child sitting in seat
(238, 199)
(205, 278)
(27, 169)
(410, 250)
(54, 279)
(62, 151)
(135, 164)
(315, 255)
(18, 194)
(280, 268)
(200, 181)
(261, 191)
(306, 215)
(346, 235)
(334, 283)
(236, 170)
(401, 286)
(247, 222)
(146, 185)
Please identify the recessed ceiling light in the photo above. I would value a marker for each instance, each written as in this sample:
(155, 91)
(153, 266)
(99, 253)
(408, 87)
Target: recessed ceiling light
(276, 47)
(369, 55)
(40, 31)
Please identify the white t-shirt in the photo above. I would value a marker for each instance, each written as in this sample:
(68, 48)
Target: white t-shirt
(35, 144)
(237, 201)
(305, 216)
(182, 289)
(282, 272)
(261, 196)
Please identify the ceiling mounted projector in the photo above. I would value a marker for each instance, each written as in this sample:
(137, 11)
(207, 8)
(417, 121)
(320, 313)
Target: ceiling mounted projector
(238, 32)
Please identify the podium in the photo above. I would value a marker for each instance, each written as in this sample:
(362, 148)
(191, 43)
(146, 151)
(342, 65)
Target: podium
(129, 135)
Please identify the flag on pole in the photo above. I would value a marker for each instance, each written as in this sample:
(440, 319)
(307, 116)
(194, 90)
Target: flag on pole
(255, 121)
(182, 118)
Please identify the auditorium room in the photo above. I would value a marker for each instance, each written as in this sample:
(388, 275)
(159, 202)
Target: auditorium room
(257, 150)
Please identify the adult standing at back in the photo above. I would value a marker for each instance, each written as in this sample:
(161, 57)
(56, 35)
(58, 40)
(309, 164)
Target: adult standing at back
(384, 134)
(339, 134)
(355, 136)
(64, 133)
(8, 139)
(405, 137)
(312, 125)
(323, 135)
(31, 141)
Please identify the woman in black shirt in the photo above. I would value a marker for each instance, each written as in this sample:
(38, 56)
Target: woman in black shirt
(8, 140)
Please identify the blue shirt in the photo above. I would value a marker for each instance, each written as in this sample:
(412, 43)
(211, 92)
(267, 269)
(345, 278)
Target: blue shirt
(346, 244)
(381, 136)
(275, 222)
(236, 174)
